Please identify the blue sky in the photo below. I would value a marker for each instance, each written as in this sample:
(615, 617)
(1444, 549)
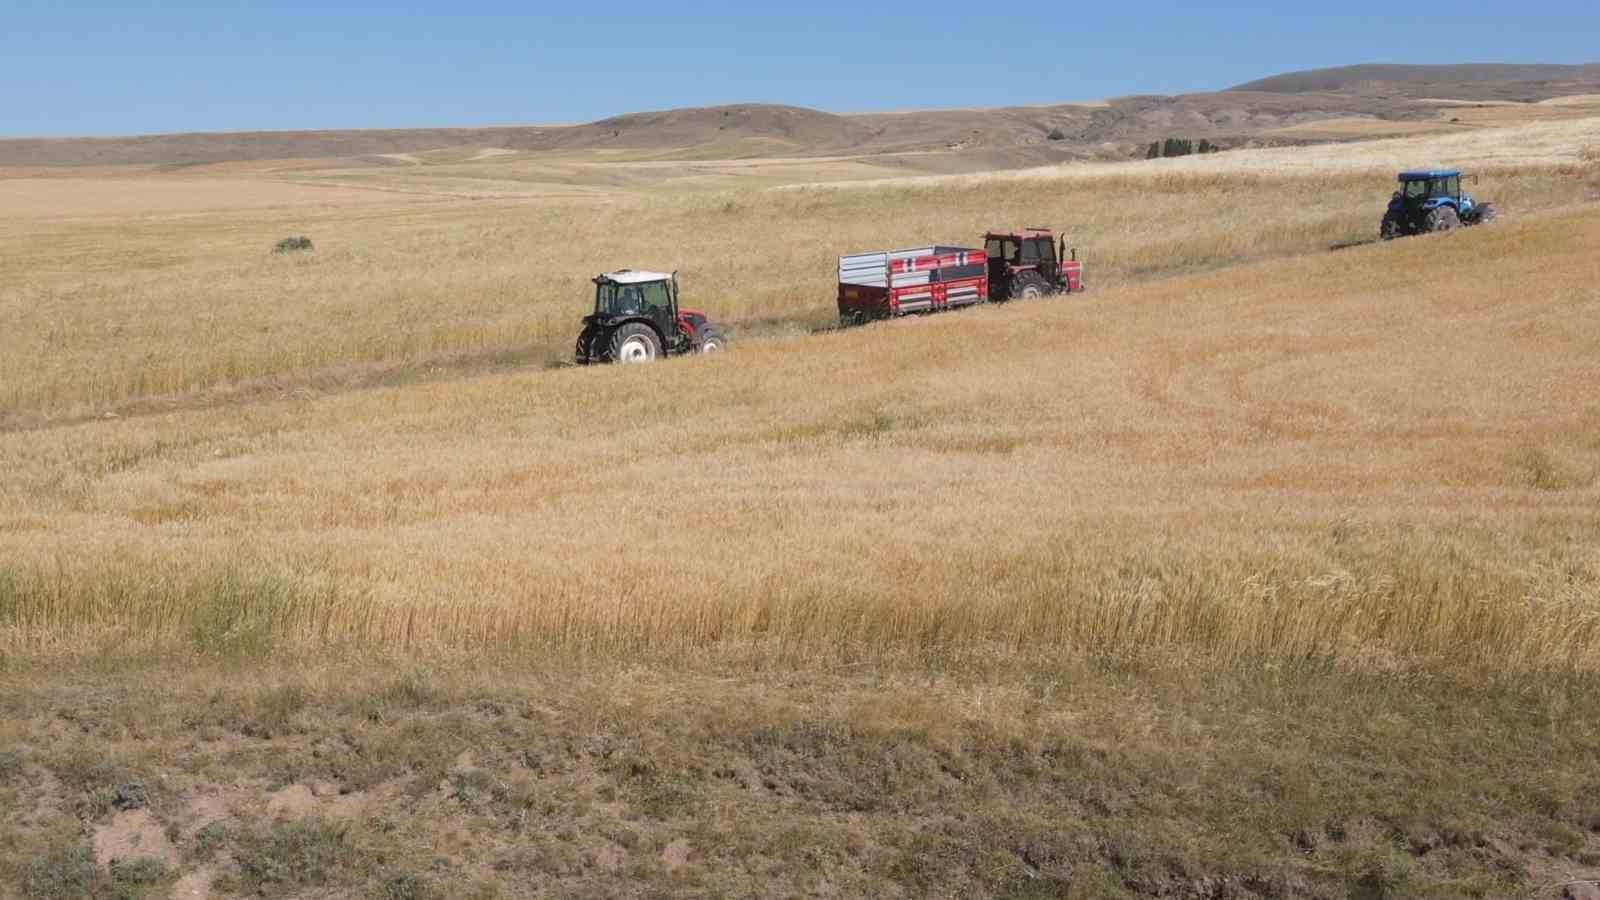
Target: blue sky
(95, 68)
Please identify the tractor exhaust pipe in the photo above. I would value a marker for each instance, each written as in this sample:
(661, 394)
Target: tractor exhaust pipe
(1062, 253)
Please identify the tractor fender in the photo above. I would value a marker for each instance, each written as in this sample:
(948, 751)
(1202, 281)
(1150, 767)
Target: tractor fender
(692, 320)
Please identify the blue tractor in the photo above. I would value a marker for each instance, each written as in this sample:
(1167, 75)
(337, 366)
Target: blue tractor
(1431, 200)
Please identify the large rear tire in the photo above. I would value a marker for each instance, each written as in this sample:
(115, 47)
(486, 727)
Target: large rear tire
(1390, 229)
(1028, 285)
(712, 340)
(634, 342)
(1443, 219)
(586, 352)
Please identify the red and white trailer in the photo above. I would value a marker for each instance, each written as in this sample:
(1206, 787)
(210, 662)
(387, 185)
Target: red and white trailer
(887, 283)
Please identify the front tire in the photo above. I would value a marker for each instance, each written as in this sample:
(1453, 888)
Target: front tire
(1028, 286)
(1443, 219)
(1486, 213)
(712, 340)
(634, 342)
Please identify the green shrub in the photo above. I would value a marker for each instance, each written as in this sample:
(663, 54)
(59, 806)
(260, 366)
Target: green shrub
(292, 854)
(402, 886)
(65, 873)
(132, 879)
(11, 763)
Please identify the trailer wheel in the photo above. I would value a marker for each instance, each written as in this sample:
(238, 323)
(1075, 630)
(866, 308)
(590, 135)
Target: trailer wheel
(712, 340)
(1443, 219)
(1028, 285)
(634, 342)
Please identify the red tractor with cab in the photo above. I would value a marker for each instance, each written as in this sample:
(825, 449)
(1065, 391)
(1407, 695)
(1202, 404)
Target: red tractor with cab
(1030, 263)
(636, 318)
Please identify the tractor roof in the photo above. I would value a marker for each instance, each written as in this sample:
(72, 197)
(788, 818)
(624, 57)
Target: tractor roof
(1425, 174)
(634, 276)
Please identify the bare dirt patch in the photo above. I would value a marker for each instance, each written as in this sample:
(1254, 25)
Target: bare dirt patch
(676, 855)
(132, 834)
(195, 885)
(293, 802)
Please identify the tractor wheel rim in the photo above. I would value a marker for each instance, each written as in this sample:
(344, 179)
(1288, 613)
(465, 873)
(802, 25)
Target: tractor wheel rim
(711, 346)
(634, 349)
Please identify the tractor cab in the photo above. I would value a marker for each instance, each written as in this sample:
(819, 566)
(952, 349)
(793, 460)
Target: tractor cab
(1435, 186)
(630, 294)
(636, 318)
(1030, 263)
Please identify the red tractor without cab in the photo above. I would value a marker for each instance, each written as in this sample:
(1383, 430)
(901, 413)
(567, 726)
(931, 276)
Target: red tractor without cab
(1013, 265)
(1030, 263)
(636, 319)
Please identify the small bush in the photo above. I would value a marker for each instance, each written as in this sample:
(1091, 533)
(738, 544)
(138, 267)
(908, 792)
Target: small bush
(211, 837)
(293, 244)
(64, 872)
(132, 879)
(402, 886)
(670, 797)
(130, 796)
(294, 854)
(276, 707)
(10, 765)
(1057, 134)
(1590, 153)
(1539, 469)
(86, 769)
(473, 786)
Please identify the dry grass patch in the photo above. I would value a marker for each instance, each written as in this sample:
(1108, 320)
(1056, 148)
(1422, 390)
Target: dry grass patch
(1068, 779)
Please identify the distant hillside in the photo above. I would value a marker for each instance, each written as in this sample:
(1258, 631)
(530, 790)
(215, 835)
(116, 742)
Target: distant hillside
(999, 137)
(1479, 81)
(1005, 136)
(804, 130)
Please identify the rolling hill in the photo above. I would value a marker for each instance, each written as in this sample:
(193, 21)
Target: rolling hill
(1478, 81)
(999, 137)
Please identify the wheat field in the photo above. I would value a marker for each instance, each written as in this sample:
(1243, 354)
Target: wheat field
(1385, 455)
(157, 297)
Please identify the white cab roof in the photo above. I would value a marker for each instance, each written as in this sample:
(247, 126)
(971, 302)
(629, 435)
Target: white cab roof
(636, 276)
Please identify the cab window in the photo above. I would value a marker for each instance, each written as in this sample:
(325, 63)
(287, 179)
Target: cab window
(1001, 249)
(654, 295)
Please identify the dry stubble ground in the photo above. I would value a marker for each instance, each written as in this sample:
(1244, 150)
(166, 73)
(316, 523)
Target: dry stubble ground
(1277, 580)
